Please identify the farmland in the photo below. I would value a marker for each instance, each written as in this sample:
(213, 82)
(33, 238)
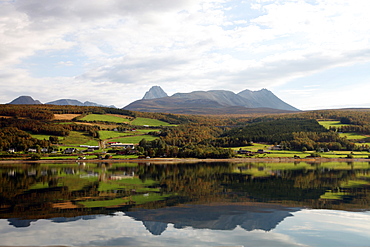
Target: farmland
(83, 132)
(105, 118)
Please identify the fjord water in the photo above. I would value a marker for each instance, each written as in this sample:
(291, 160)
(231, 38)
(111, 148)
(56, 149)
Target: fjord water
(191, 204)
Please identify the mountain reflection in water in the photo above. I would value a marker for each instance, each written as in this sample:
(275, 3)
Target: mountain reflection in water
(255, 216)
(213, 196)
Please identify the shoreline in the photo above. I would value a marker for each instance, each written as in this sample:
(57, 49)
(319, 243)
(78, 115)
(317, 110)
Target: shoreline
(188, 160)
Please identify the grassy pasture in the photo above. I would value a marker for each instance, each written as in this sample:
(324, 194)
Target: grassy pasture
(78, 138)
(69, 157)
(301, 154)
(140, 121)
(40, 136)
(353, 136)
(130, 156)
(105, 118)
(349, 136)
(329, 195)
(128, 183)
(134, 139)
(74, 182)
(106, 134)
(328, 124)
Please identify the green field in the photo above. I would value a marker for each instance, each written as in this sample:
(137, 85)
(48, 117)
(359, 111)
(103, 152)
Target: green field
(134, 139)
(290, 154)
(148, 121)
(74, 182)
(106, 134)
(105, 118)
(128, 183)
(353, 136)
(327, 124)
(78, 138)
(40, 136)
(69, 157)
(349, 136)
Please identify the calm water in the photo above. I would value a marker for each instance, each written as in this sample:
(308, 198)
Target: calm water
(203, 204)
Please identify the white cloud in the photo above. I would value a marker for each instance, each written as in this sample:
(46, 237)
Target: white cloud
(180, 45)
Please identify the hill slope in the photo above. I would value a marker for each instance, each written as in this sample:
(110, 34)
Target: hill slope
(266, 98)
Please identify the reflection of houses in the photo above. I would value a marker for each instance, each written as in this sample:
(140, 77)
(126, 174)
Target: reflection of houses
(122, 176)
(276, 147)
(242, 151)
(69, 150)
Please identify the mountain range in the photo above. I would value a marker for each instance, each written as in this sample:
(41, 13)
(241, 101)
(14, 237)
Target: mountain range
(211, 102)
(197, 102)
(215, 217)
(28, 100)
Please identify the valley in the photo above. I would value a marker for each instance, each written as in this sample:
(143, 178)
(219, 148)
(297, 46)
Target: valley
(51, 132)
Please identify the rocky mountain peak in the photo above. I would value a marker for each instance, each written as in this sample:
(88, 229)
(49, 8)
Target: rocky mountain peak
(155, 92)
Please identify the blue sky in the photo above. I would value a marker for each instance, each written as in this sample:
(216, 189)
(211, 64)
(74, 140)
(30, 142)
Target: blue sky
(312, 54)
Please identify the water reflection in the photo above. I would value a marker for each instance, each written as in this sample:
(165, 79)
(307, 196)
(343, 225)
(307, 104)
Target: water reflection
(164, 197)
(252, 216)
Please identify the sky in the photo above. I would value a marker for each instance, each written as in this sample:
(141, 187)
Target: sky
(312, 54)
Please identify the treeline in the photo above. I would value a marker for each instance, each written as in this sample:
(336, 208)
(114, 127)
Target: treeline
(325, 141)
(188, 119)
(199, 140)
(21, 111)
(46, 112)
(290, 134)
(190, 134)
(158, 148)
(351, 128)
(11, 137)
(47, 128)
(188, 140)
(349, 116)
(273, 131)
(35, 126)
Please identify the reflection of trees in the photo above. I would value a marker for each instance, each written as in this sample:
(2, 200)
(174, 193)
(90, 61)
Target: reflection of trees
(195, 183)
(17, 200)
(321, 178)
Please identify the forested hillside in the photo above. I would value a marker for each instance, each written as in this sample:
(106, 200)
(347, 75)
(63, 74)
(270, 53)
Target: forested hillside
(290, 134)
(175, 135)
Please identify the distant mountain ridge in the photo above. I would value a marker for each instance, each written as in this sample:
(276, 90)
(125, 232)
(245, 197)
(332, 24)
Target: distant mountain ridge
(25, 100)
(75, 102)
(213, 102)
(28, 100)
